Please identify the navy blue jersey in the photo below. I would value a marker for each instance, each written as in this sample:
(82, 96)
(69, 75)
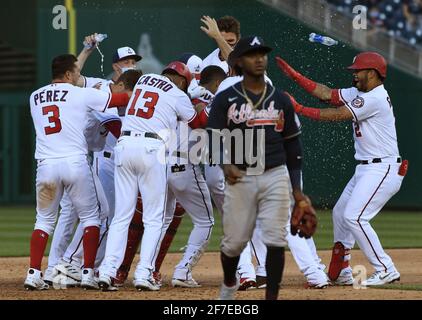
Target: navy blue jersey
(229, 110)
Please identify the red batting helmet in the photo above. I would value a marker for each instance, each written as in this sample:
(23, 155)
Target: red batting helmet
(181, 69)
(370, 60)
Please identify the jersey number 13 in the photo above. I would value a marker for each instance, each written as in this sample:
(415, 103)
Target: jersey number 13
(147, 110)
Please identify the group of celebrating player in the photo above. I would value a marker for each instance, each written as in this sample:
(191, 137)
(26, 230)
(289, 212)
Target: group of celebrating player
(135, 188)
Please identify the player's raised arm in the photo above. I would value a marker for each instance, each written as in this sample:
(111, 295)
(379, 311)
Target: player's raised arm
(211, 29)
(327, 114)
(84, 54)
(318, 90)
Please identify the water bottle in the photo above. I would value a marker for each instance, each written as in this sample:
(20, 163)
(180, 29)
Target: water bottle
(98, 38)
(313, 37)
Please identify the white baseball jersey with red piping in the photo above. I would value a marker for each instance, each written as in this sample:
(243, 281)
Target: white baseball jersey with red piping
(373, 121)
(377, 177)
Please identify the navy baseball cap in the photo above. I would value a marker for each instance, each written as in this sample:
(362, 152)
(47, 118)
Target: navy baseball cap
(125, 53)
(245, 45)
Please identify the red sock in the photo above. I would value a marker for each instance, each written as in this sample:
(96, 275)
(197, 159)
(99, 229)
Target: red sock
(39, 240)
(90, 243)
(168, 237)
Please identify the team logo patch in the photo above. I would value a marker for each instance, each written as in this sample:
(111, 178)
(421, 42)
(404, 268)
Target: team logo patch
(358, 102)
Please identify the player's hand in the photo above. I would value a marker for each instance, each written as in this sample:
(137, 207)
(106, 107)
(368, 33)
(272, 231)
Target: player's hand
(286, 68)
(90, 43)
(211, 27)
(232, 173)
(296, 105)
(196, 91)
(303, 221)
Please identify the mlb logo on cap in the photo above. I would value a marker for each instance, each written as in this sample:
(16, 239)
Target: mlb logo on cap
(125, 53)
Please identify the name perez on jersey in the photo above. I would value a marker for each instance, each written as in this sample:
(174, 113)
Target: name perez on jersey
(259, 117)
(50, 96)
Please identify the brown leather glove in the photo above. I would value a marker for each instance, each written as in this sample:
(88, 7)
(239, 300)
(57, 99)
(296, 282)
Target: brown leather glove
(303, 221)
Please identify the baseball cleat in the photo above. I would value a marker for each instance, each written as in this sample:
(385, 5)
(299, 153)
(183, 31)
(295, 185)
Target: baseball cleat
(158, 278)
(379, 278)
(320, 285)
(247, 284)
(69, 270)
(261, 282)
(34, 280)
(105, 284)
(88, 281)
(49, 275)
(120, 278)
(228, 293)
(146, 285)
(185, 283)
(345, 278)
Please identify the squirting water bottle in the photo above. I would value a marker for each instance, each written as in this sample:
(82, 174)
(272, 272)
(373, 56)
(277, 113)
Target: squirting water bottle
(313, 37)
(98, 38)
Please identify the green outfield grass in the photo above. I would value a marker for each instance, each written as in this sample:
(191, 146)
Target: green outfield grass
(397, 229)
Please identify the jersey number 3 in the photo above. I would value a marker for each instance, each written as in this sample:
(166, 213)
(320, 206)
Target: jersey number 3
(147, 110)
(53, 118)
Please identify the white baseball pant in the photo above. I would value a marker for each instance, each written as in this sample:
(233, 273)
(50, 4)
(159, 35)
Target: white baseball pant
(366, 193)
(190, 190)
(138, 167)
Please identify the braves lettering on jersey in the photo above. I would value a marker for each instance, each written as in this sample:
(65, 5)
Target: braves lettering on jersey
(275, 115)
(150, 110)
(213, 59)
(60, 112)
(374, 123)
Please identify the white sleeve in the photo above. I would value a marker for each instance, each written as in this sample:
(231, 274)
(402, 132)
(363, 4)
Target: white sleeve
(90, 82)
(364, 107)
(96, 99)
(184, 108)
(348, 94)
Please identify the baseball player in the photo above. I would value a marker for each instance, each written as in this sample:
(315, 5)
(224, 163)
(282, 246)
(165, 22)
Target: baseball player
(258, 191)
(140, 164)
(101, 133)
(380, 168)
(226, 32)
(59, 113)
(303, 250)
(185, 182)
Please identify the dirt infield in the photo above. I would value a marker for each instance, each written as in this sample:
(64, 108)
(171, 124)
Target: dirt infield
(209, 274)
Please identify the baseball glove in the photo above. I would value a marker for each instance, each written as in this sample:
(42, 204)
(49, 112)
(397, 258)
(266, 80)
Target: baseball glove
(304, 221)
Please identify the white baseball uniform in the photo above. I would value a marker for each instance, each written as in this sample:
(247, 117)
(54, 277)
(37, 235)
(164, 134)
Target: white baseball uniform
(374, 183)
(213, 59)
(97, 138)
(59, 112)
(140, 164)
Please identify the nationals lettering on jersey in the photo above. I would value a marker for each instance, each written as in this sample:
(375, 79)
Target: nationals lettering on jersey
(59, 112)
(156, 105)
(374, 123)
